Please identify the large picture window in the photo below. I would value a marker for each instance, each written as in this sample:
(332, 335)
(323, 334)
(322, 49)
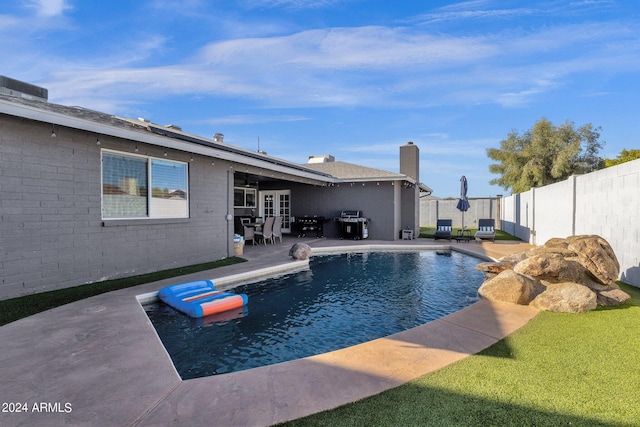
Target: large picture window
(143, 187)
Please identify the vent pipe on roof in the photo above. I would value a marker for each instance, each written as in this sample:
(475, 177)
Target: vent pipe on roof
(218, 137)
(325, 158)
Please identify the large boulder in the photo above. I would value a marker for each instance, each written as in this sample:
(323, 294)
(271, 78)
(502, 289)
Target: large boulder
(552, 267)
(613, 297)
(509, 286)
(495, 267)
(300, 251)
(566, 297)
(596, 255)
(568, 275)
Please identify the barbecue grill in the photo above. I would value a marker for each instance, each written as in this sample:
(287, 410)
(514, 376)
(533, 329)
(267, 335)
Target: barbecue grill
(353, 225)
(307, 223)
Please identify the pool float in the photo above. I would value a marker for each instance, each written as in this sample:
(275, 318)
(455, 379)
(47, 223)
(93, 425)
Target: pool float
(200, 298)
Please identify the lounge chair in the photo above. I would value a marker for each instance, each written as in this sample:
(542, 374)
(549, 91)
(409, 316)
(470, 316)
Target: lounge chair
(267, 230)
(443, 229)
(486, 230)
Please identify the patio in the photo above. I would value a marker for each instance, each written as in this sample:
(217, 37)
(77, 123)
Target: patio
(99, 362)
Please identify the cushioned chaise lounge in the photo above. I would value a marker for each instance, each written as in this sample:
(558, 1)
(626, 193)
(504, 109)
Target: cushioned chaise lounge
(486, 230)
(443, 229)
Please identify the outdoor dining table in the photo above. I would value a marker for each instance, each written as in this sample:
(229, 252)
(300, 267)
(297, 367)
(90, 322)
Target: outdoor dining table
(256, 225)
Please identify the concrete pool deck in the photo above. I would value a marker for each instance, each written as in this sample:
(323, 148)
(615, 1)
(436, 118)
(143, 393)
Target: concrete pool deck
(99, 362)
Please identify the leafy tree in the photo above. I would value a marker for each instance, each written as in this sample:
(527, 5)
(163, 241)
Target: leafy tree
(624, 156)
(545, 154)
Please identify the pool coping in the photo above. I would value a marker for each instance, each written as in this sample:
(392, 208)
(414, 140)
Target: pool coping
(101, 356)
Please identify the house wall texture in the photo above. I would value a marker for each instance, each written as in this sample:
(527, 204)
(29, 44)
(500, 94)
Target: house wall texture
(371, 198)
(410, 215)
(51, 232)
(603, 202)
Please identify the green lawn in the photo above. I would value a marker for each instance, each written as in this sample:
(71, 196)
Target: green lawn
(428, 232)
(17, 308)
(558, 370)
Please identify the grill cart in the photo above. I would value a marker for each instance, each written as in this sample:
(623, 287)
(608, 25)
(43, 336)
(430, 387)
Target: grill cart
(353, 225)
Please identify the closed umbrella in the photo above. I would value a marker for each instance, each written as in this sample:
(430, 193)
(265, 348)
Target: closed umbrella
(463, 203)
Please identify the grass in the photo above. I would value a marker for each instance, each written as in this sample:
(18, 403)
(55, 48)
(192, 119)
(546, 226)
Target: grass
(17, 308)
(428, 232)
(559, 369)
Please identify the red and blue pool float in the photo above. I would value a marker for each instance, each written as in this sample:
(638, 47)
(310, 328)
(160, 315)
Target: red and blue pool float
(200, 298)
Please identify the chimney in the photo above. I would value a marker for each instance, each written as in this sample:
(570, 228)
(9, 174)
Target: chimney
(410, 160)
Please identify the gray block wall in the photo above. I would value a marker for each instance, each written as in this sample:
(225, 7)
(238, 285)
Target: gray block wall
(51, 232)
(433, 209)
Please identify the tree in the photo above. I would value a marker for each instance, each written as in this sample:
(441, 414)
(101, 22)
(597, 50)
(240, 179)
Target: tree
(624, 156)
(545, 154)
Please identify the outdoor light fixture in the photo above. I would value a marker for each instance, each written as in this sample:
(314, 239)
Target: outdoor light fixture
(53, 130)
(97, 139)
(136, 147)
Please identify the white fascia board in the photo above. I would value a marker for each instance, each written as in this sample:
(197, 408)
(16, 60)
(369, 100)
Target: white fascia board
(145, 136)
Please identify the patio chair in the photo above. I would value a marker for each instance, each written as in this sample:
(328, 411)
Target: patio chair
(277, 229)
(249, 234)
(486, 230)
(267, 230)
(443, 229)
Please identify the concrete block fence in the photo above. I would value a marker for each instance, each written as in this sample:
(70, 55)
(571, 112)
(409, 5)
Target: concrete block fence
(604, 202)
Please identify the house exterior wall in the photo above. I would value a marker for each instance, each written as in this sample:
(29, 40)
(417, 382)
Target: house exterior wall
(51, 232)
(410, 215)
(375, 201)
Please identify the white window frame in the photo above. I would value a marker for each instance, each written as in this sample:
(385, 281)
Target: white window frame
(246, 191)
(149, 202)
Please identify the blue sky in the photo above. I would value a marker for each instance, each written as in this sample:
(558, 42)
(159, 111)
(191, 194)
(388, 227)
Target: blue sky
(351, 78)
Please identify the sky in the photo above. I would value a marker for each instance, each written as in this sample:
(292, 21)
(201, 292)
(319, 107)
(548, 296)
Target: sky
(352, 78)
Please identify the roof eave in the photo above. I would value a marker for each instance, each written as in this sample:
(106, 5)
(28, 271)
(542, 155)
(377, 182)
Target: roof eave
(203, 147)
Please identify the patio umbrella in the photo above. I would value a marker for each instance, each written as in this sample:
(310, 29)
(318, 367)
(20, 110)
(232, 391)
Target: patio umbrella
(463, 203)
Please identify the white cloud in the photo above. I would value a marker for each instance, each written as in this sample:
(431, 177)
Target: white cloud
(374, 66)
(49, 8)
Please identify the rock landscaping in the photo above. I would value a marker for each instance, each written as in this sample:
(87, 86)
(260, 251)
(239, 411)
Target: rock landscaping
(300, 251)
(571, 275)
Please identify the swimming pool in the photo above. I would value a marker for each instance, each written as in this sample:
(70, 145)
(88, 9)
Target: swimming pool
(340, 301)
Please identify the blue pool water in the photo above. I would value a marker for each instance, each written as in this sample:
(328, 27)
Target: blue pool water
(342, 300)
